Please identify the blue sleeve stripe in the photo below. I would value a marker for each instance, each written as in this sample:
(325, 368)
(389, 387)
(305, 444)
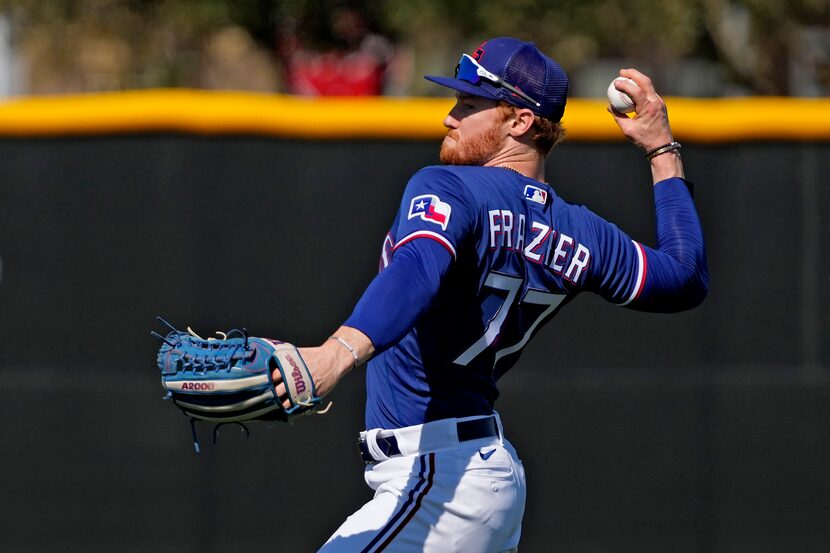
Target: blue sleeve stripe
(427, 234)
(642, 266)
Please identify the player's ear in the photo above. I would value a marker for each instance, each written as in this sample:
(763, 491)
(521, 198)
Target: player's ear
(521, 122)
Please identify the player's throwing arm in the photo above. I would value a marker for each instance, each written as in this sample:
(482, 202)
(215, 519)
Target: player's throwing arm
(649, 128)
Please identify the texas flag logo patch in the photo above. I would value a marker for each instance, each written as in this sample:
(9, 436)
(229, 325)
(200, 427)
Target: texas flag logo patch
(430, 208)
(536, 194)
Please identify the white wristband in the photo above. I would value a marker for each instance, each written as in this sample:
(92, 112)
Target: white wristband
(346, 345)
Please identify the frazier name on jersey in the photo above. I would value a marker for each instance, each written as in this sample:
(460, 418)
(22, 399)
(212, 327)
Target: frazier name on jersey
(538, 243)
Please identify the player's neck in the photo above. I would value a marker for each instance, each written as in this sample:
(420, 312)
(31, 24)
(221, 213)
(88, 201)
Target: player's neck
(529, 168)
(522, 158)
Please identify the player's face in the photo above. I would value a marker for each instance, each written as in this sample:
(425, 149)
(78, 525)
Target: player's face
(475, 131)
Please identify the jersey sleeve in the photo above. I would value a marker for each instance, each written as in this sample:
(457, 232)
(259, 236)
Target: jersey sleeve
(669, 278)
(435, 206)
(400, 294)
(434, 220)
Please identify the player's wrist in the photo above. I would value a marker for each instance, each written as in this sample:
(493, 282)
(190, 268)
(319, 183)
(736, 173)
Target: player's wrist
(665, 148)
(354, 344)
(666, 165)
(348, 347)
(333, 358)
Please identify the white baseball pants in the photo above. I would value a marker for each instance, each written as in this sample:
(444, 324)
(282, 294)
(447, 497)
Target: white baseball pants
(464, 497)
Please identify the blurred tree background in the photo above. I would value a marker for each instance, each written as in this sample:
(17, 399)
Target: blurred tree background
(691, 47)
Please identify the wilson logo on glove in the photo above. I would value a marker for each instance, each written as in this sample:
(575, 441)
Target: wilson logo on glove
(297, 375)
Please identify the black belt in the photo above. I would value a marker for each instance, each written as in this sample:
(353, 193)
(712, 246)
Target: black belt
(474, 429)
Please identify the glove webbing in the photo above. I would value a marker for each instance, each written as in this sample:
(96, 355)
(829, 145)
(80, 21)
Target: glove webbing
(214, 362)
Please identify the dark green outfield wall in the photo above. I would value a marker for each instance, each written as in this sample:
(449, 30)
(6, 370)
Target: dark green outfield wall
(707, 431)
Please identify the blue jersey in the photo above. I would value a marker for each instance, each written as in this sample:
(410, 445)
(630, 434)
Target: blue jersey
(492, 255)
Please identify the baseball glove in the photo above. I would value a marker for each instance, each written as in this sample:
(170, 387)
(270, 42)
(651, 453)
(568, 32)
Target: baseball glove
(229, 379)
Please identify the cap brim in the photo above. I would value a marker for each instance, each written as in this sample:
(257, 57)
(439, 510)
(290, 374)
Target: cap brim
(462, 86)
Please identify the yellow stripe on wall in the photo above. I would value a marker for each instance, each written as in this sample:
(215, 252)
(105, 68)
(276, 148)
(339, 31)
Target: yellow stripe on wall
(222, 113)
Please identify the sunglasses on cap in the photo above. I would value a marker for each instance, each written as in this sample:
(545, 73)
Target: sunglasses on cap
(471, 71)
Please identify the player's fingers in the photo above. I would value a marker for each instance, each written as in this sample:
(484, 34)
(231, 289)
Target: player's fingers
(619, 117)
(282, 395)
(642, 80)
(630, 88)
(643, 94)
(282, 391)
(633, 91)
(276, 376)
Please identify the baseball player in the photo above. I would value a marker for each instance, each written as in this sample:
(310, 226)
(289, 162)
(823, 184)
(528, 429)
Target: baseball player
(480, 254)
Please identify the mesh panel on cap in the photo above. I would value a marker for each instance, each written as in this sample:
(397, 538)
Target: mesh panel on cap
(522, 72)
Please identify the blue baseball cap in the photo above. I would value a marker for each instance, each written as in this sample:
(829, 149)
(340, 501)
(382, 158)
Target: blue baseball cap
(514, 71)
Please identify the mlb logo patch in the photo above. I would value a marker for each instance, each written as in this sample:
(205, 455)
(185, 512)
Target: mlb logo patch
(536, 194)
(430, 208)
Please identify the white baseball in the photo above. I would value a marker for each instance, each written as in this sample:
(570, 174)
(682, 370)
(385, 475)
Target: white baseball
(620, 101)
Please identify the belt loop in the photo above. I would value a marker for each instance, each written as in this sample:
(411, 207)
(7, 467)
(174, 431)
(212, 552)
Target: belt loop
(372, 444)
(499, 427)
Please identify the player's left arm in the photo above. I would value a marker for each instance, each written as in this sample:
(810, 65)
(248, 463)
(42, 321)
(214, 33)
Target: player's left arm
(404, 290)
(391, 305)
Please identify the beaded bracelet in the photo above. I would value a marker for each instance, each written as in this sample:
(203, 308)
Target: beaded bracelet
(346, 345)
(670, 147)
